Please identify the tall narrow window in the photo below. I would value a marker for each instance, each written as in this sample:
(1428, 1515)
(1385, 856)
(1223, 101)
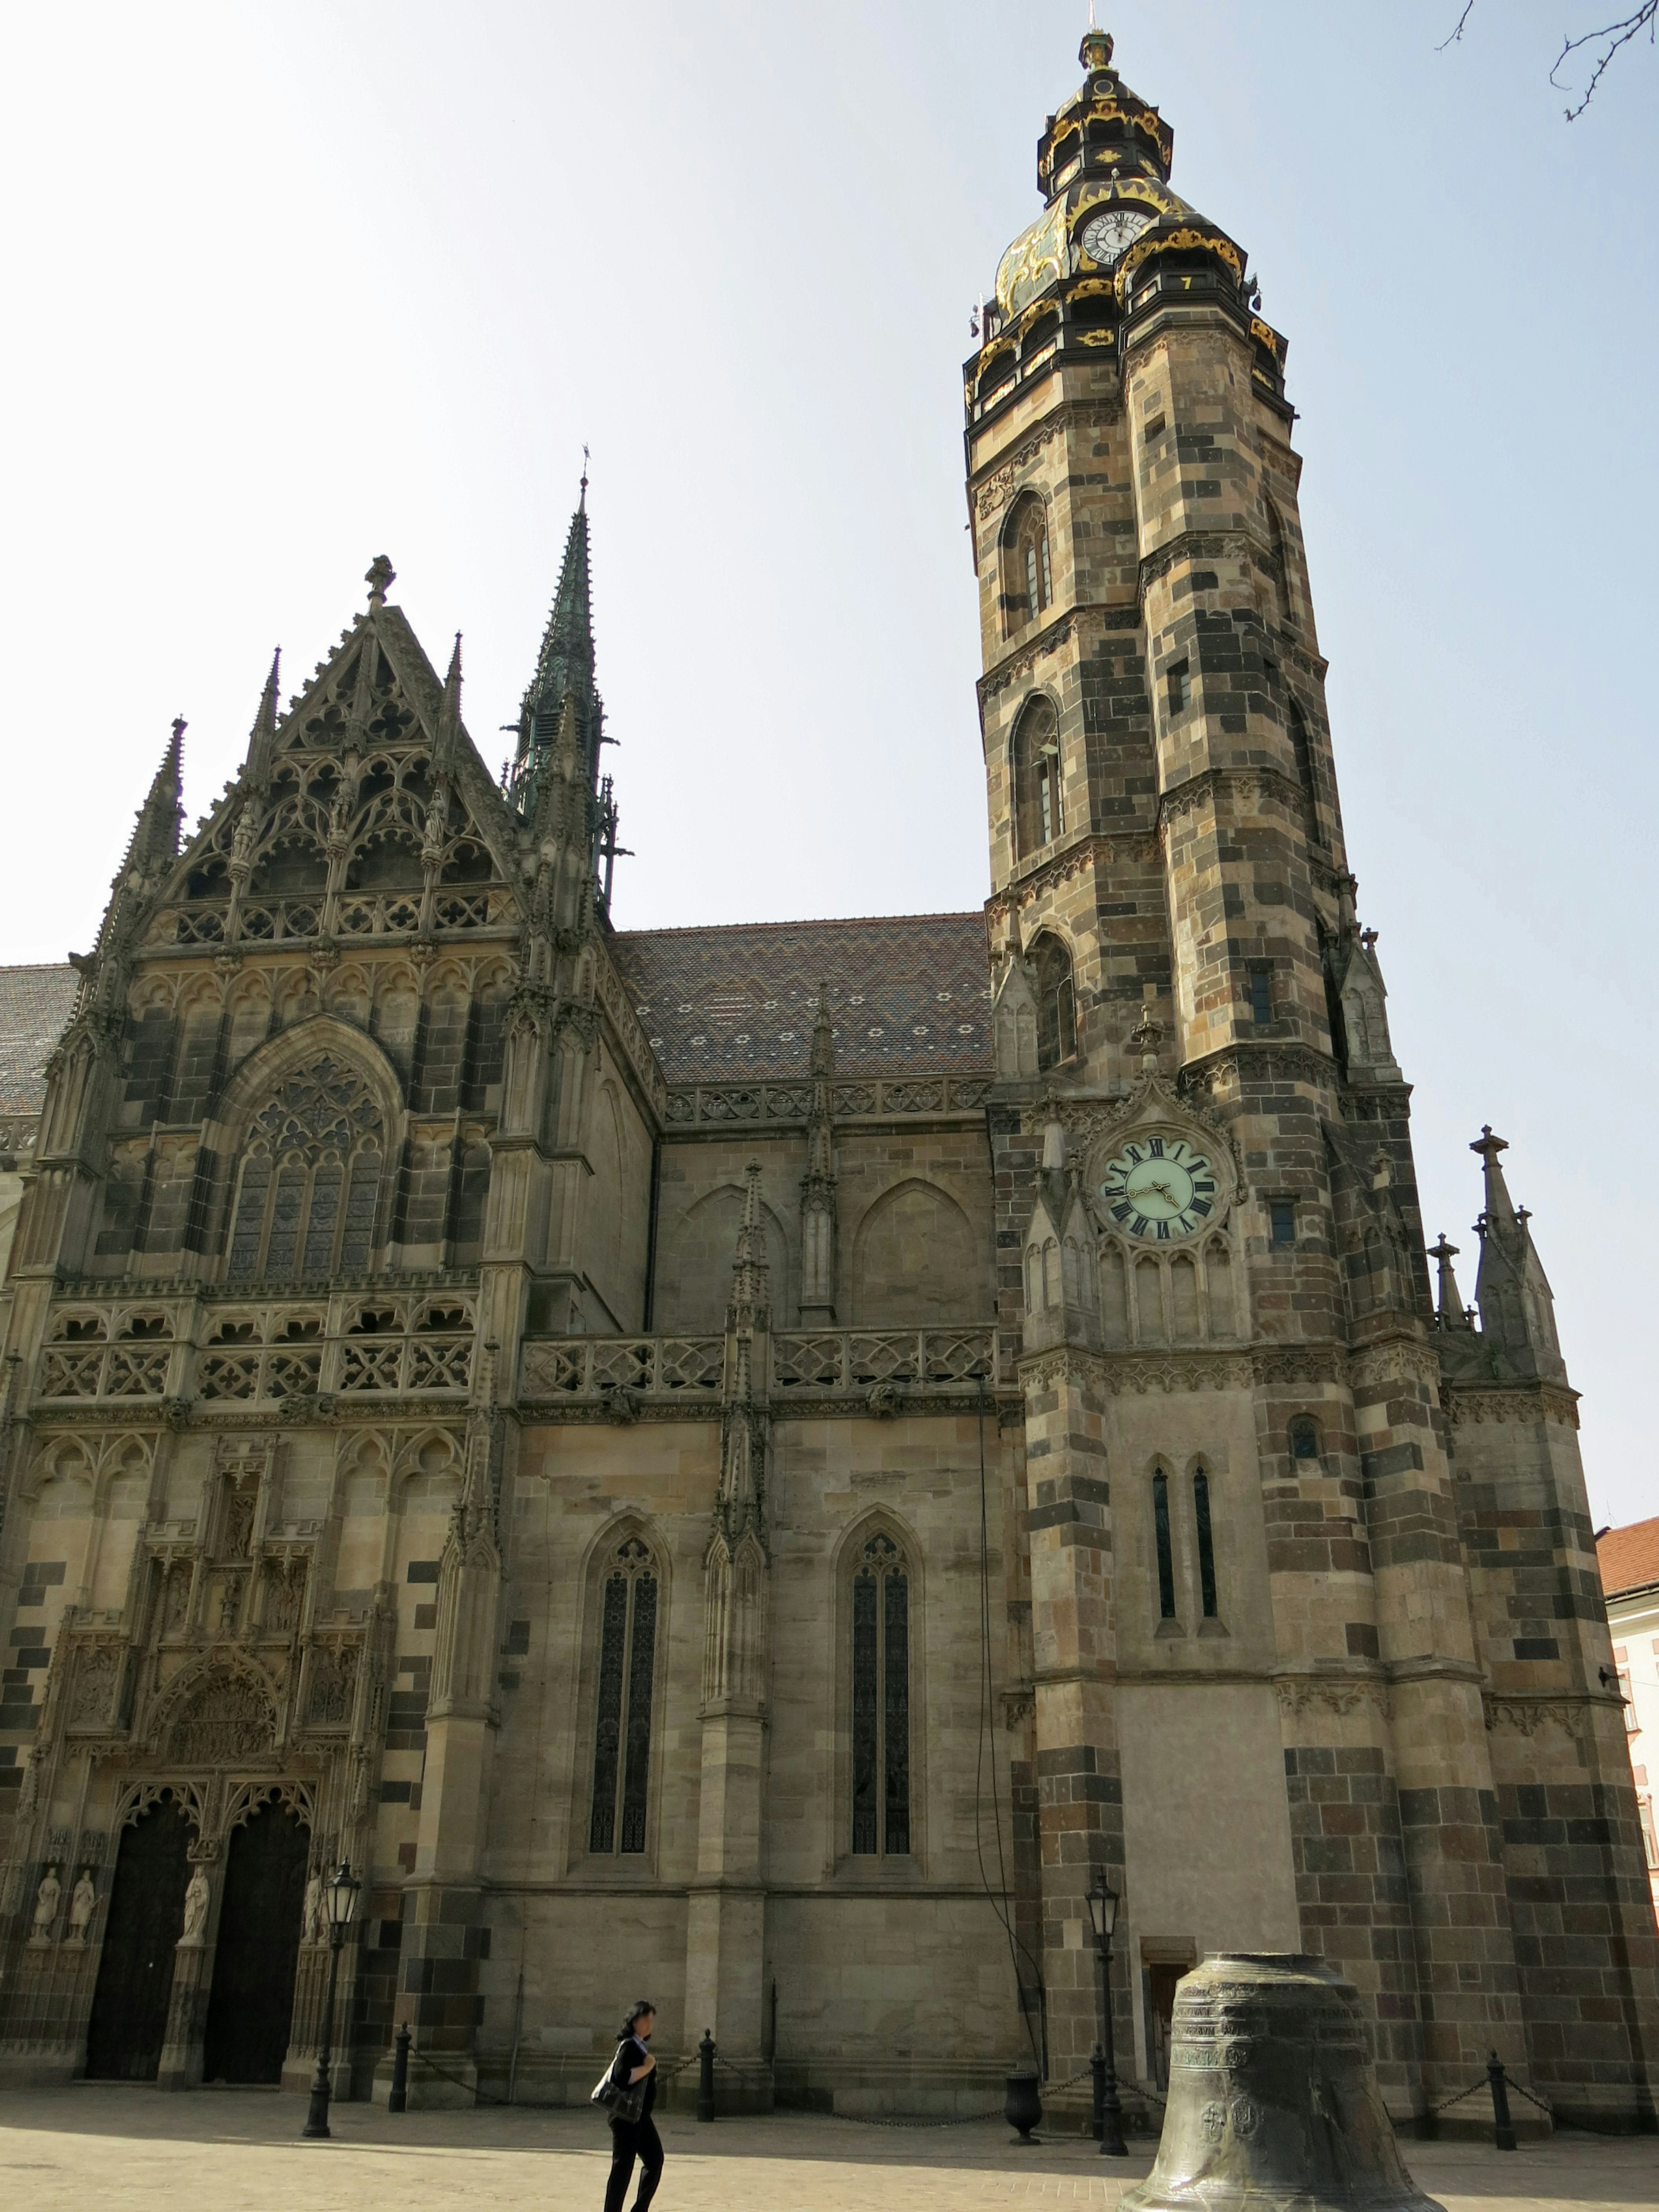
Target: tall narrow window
(1261, 994)
(1302, 749)
(1166, 1604)
(1039, 817)
(627, 1661)
(1205, 1543)
(881, 1702)
(1056, 1002)
(1027, 578)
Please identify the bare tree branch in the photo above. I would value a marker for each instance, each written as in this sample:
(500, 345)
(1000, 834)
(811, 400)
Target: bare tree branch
(1614, 36)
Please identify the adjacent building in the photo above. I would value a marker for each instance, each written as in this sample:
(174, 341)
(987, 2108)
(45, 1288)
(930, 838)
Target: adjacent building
(1629, 1560)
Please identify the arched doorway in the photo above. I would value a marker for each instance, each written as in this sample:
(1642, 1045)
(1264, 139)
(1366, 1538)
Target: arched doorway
(245, 2036)
(135, 1970)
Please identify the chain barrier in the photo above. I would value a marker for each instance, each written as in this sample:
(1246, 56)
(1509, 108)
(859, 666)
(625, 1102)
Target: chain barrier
(955, 2120)
(1485, 2082)
(443, 2073)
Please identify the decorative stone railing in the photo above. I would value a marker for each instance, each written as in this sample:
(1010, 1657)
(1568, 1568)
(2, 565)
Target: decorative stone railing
(349, 1346)
(848, 1364)
(759, 1103)
(389, 914)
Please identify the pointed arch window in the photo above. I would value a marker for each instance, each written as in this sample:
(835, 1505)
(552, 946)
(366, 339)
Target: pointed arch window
(1206, 1532)
(1056, 1000)
(626, 1681)
(1164, 1545)
(881, 1701)
(307, 1190)
(1039, 816)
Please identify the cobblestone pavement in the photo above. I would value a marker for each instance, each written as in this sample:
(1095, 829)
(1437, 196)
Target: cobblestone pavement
(113, 2149)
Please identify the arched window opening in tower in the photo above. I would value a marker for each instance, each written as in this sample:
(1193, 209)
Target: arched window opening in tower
(1056, 1002)
(1206, 1542)
(1028, 578)
(1039, 812)
(881, 1702)
(1166, 1598)
(627, 1673)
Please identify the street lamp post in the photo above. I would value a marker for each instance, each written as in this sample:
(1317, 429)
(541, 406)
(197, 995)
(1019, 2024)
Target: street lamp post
(1103, 1915)
(340, 1893)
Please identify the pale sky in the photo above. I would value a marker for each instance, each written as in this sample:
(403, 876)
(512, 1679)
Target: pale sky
(292, 285)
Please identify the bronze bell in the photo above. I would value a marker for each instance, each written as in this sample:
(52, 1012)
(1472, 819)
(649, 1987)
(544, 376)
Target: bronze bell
(1273, 2099)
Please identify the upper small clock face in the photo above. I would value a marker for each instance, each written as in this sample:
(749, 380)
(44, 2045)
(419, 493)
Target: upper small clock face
(1105, 237)
(1159, 1188)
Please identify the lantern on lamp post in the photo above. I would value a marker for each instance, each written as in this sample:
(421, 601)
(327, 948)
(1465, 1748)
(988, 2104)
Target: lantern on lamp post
(1109, 2113)
(340, 1898)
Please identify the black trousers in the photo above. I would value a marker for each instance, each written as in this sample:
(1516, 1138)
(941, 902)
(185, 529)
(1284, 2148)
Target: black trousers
(640, 2141)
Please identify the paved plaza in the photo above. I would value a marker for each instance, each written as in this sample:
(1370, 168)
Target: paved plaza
(138, 2150)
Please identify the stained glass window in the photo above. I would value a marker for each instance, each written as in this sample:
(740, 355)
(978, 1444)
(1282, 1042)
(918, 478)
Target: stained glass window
(317, 1137)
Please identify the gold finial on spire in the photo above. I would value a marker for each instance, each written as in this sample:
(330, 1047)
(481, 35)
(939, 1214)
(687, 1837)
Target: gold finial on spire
(1095, 52)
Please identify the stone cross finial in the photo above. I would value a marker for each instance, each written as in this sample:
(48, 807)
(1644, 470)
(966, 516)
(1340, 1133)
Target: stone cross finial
(1488, 1146)
(1146, 1036)
(379, 576)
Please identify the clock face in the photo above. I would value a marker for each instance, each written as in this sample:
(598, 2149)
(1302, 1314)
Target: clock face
(1159, 1188)
(1106, 237)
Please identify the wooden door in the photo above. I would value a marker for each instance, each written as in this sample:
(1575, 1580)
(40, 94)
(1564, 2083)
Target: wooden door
(252, 2005)
(135, 1970)
(1160, 2006)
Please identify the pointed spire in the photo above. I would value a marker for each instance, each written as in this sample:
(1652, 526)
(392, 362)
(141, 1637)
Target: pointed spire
(449, 714)
(751, 1297)
(1450, 1312)
(262, 739)
(818, 1185)
(566, 660)
(156, 835)
(1499, 1212)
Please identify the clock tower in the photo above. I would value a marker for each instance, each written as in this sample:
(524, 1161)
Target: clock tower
(1273, 1599)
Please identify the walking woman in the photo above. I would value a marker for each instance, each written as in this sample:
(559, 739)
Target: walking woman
(635, 2139)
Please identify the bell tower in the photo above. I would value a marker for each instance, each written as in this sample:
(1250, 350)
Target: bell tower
(1244, 1528)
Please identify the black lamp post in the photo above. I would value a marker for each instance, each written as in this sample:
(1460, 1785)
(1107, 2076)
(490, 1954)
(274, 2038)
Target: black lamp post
(340, 1893)
(1103, 1915)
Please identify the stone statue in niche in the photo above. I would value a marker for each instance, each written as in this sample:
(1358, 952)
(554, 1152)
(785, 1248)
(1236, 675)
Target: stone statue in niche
(176, 1603)
(311, 1924)
(285, 1589)
(332, 1676)
(93, 1685)
(238, 1521)
(83, 1900)
(230, 1605)
(197, 1898)
(45, 1908)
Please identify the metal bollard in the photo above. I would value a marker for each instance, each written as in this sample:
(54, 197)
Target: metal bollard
(1502, 2129)
(398, 2099)
(706, 2077)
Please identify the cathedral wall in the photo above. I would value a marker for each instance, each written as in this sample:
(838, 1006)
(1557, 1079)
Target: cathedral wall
(616, 1199)
(913, 1228)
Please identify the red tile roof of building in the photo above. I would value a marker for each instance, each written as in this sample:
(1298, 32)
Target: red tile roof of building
(1629, 1558)
(909, 994)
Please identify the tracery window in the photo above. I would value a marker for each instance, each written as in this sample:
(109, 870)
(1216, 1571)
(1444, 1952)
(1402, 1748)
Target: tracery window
(1039, 816)
(881, 1701)
(628, 1666)
(308, 1190)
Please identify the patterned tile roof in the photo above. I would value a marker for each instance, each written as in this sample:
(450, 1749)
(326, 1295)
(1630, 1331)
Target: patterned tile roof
(1629, 1558)
(909, 993)
(34, 1005)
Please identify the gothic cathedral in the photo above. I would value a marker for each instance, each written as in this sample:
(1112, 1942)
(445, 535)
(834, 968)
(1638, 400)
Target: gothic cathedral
(758, 1465)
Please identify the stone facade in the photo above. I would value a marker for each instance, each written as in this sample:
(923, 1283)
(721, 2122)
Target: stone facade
(755, 1465)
